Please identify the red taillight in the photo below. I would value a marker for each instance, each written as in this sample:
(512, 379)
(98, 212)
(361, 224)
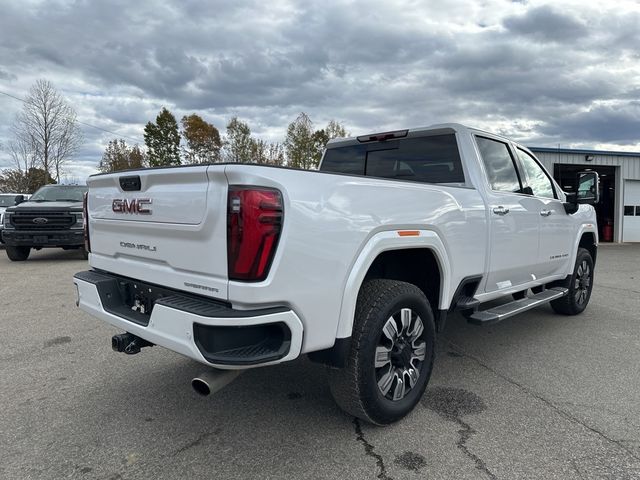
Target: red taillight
(254, 221)
(85, 222)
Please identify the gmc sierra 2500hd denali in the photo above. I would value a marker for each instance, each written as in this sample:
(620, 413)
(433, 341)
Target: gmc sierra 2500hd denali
(357, 264)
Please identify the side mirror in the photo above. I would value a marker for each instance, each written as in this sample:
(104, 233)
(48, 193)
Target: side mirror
(587, 188)
(19, 199)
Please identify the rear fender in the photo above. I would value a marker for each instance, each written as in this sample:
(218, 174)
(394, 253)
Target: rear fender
(382, 242)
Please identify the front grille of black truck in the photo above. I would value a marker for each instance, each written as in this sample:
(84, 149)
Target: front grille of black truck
(42, 220)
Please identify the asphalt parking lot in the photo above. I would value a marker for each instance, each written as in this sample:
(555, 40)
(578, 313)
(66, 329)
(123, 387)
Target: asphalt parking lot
(536, 396)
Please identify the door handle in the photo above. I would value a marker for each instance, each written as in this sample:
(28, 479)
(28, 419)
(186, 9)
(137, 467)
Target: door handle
(500, 210)
(546, 213)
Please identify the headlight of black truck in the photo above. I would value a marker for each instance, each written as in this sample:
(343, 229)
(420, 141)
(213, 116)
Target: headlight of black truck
(79, 223)
(7, 220)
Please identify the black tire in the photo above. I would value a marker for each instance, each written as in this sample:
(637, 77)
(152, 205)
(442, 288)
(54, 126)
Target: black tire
(355, 386)
(579, 284)
(84, 253)
(18, 254)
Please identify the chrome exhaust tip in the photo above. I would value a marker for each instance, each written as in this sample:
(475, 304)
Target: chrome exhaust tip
(213, 380)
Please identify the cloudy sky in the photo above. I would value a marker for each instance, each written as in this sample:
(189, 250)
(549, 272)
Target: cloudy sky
(566, 72)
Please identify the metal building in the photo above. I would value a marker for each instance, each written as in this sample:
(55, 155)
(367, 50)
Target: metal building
(619, 208)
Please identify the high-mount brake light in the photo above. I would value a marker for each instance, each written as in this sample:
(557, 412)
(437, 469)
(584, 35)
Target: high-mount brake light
(381, 137)
(85, 221)
(254, 222)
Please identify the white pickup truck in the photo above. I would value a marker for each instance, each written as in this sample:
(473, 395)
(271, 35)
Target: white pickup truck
(356, 265)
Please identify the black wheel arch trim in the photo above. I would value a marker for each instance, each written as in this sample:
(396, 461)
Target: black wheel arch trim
(463, 297)
(335, 356)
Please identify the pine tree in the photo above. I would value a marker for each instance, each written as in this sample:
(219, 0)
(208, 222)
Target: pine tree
(162, 139)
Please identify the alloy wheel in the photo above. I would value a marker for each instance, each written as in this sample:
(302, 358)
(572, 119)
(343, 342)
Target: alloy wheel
(400, 354)
(582, 282)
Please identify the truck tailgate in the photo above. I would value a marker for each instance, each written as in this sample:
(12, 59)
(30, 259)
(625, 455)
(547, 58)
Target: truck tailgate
(171, 231)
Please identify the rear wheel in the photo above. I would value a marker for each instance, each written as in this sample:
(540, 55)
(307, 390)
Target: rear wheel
(18, 254)
(579, 286)
(392, 353)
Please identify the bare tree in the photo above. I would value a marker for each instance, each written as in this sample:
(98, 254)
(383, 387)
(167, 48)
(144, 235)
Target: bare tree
(47, 128)
(22, 152)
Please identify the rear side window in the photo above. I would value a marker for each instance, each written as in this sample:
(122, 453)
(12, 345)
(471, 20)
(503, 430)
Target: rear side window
(345, 160)
(499, 165)
(433, 159)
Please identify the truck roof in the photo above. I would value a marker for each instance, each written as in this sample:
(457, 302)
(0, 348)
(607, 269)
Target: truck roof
(410, 132)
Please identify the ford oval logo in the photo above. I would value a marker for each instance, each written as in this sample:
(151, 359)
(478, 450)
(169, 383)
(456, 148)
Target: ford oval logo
(40, 220)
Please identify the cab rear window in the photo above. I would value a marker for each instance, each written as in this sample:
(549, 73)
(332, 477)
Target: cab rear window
(432, 159)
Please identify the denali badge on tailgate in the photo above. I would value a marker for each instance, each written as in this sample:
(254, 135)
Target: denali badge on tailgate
(135, 205)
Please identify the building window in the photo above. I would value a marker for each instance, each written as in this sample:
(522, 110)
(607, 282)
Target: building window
(628, 210)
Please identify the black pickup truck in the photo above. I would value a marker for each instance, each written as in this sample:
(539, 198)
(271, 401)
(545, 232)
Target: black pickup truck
(52, 217)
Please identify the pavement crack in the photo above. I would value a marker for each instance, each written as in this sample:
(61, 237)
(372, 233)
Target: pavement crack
(626, 420)
(542, 399)
(370, 451)
(452, 404)
(192, 444)
(465, 432)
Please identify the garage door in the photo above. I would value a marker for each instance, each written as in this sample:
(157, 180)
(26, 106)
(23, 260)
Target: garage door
(631, 227)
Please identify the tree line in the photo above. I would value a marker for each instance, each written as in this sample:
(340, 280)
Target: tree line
(196, 141)
(45, 136)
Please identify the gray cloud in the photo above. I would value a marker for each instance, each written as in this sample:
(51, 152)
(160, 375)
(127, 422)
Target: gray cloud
(546, 24)
(5, 75)
(535, 72)
(608, 123)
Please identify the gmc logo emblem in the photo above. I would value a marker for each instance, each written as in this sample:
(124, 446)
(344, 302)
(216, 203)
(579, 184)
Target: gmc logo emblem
(135, 205)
